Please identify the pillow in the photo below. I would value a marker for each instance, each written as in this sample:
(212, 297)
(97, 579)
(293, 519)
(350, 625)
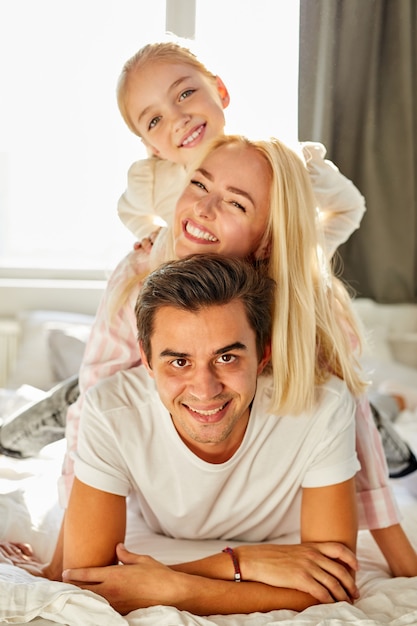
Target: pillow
(33, 362)
(66, 343)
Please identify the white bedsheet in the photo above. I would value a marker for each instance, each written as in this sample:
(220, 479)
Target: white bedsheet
(29, 512)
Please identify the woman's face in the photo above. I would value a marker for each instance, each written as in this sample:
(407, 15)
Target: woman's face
(224, 208)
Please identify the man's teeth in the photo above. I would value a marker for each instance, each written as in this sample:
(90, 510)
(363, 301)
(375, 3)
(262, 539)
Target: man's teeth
(211, 412)
(193, 136)
(199, 234)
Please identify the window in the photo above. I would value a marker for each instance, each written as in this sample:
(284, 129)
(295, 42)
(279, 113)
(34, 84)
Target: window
(64, 149)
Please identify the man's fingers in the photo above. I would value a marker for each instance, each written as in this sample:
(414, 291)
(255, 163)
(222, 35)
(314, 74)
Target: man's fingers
(340, 552)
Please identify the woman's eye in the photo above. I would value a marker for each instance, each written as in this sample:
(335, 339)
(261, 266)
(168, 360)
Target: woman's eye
(154, 122)
(197, 183)
(185, 94)
(239, 206)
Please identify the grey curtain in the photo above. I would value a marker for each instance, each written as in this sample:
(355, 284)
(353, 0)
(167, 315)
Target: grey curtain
(358, 96)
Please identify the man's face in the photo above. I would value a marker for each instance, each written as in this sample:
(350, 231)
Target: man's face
(205, 367)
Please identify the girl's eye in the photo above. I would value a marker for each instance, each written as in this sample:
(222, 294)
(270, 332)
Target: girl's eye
(185, 94)
(198, 183)
(179, 363)
(226, 358)
(153, 122)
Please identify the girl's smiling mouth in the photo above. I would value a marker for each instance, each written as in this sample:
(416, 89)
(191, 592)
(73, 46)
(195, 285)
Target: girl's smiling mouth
(191, 137)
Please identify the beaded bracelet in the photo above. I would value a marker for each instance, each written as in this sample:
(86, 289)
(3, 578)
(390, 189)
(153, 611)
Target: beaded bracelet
(238, 575)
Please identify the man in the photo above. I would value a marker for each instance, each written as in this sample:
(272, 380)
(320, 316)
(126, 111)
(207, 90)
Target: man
(189, 433)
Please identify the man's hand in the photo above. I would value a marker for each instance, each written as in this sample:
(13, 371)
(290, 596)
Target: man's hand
(136, 584)
(321, 569)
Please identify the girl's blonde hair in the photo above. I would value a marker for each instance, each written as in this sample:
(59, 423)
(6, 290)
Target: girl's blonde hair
(165, 52)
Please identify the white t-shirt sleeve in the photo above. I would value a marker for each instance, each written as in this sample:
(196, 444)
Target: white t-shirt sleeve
(334, 458)
(96, 463)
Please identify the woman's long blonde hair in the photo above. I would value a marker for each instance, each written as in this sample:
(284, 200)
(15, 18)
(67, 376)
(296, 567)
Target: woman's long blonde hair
(315, 332)
(315, 328)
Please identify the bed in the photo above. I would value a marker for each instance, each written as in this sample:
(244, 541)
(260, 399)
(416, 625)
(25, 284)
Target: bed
(29, 510)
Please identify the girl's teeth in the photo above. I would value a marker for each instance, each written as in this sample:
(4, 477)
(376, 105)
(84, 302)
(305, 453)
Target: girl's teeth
(193, 136)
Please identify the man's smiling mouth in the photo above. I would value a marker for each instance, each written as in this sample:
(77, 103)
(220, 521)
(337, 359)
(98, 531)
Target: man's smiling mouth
(206, 413)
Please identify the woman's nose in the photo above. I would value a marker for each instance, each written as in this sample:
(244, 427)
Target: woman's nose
(205, 207)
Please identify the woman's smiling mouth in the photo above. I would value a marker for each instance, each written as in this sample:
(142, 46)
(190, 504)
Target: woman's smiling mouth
(197, 233)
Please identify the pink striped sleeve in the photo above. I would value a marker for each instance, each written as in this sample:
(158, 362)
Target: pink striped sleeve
(112, 346)
(377, 507)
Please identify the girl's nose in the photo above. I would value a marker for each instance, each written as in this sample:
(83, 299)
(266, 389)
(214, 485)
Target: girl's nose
(180, 120)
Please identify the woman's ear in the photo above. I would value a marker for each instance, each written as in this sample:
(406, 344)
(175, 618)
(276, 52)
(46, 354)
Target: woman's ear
(264, 250)
(224, 94)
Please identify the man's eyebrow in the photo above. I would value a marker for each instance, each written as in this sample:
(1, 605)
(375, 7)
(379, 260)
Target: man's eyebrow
(174, 85)
(240, 192)
(237, 345)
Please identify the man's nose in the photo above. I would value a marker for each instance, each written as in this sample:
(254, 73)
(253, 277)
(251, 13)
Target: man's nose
(205, 384)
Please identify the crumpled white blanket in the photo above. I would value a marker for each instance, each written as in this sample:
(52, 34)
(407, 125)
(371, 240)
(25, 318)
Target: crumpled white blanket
(390, 602)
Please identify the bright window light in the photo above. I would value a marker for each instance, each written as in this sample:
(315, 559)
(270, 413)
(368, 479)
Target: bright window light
(64, 149)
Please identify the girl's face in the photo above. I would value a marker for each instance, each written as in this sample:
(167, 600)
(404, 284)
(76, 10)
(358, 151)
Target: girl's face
(224, 208)
(176, 110)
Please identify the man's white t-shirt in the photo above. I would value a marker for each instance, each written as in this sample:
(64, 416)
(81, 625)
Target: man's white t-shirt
(128, 444)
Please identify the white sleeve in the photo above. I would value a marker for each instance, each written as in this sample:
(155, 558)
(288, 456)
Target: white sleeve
(341, 205)
(98, 459)
(334, 458)
(153, 187)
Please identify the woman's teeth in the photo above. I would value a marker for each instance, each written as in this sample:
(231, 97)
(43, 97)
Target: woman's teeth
(199, 234)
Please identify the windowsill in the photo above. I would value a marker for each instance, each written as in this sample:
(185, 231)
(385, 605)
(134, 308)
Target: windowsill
(54, 294)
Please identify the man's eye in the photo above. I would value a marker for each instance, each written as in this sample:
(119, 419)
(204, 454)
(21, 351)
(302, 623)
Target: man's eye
(179, 363)
(185, 94)
(154, 122)
(226, 358)
(197, 183)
